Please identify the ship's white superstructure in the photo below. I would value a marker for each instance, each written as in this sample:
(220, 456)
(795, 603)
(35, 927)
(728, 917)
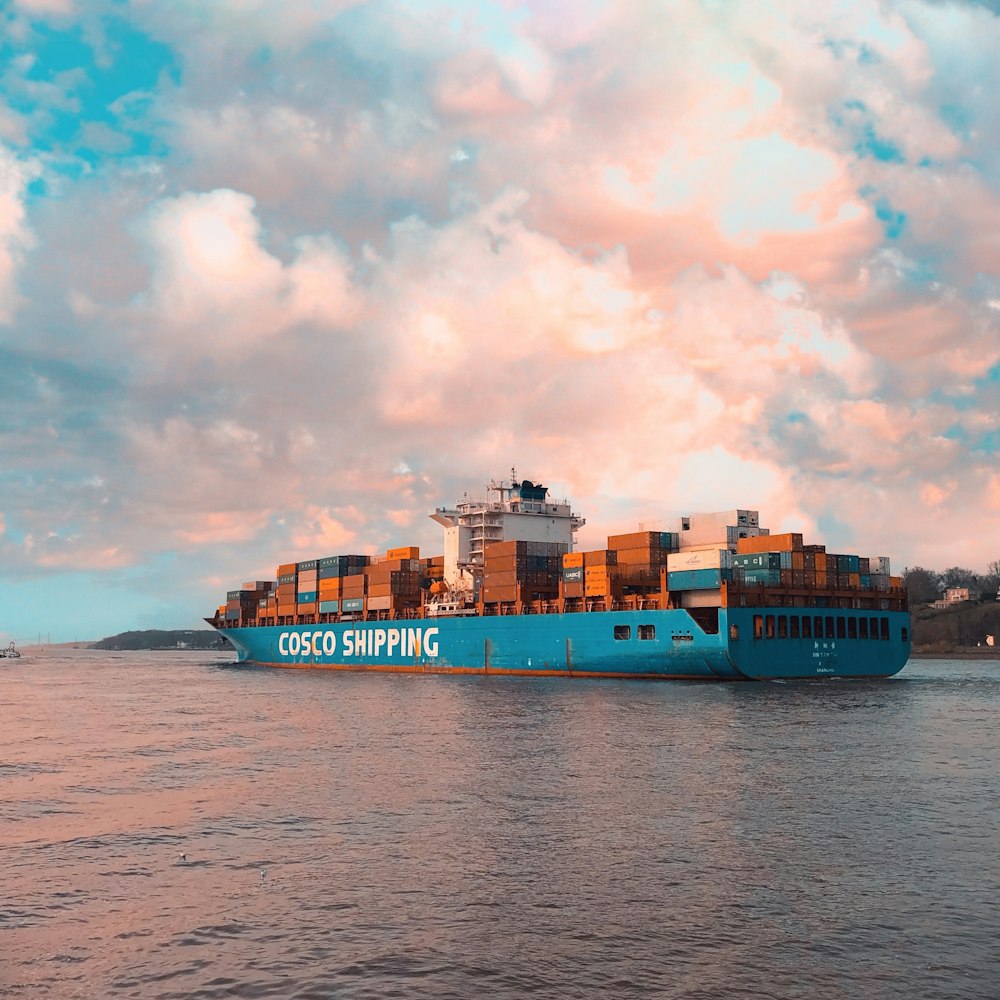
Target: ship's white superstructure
(512, 511)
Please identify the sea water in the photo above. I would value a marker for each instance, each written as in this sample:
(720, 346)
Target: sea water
(173, 825)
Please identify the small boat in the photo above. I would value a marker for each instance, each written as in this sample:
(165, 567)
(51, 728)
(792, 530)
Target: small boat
(10, 653)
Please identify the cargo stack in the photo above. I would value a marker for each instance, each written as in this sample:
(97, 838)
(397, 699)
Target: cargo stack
(267, 602)
(331, 573)
(306, 587)
(243, 605)
(521, 571)
(285, 591)
(431, 570)
(640, 557)
(723, 529)
(784, 561)
(353, 589)
(773, 560)
(394, 582)
(879, 572)
(602, 577)
(572, 574)
(695, 576)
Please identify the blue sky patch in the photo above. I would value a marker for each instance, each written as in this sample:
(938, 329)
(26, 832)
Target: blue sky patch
(892, 221)
(101, 88)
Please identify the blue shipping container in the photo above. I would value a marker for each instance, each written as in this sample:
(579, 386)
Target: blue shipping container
(307, 596)
(354, 604)
(697, 579)
(760, 560)
(328, 607)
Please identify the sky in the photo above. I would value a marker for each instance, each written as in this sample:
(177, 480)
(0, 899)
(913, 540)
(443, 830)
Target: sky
(277, 279)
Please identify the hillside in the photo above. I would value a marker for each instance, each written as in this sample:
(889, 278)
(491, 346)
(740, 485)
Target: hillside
(962, 628)
(163, 639)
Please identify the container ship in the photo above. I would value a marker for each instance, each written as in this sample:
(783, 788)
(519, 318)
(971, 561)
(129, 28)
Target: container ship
(718, 597)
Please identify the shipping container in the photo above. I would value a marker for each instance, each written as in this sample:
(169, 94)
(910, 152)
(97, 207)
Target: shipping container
(696, 579)
(762, 577)
(759, 560)
(328, 607)
(642, 557)
(306, 597)
(516, 547)
(352, 604)
(572, 560)
(309, 564)
(404, 552)
(701, 598)
(699, 559)
(789, 541)
(636, 540)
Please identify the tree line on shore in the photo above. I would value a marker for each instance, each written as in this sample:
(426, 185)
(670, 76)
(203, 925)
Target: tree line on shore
(927, 585)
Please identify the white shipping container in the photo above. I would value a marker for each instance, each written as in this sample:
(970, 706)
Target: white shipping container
(738, 531)
(701, 599)
(714, 558)
(379, 603)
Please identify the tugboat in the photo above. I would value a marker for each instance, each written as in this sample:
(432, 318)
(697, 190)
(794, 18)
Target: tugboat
(10, 653)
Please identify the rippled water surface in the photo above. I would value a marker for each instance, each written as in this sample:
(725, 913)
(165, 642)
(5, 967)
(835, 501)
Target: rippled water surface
(172, 825)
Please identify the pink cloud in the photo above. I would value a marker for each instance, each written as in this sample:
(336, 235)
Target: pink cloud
(15, 236)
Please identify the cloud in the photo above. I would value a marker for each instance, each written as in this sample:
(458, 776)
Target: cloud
(15, 235)
(216, 289)
(355, 259)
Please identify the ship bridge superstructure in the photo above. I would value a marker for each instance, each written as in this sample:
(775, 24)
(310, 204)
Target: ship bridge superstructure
(512, 510)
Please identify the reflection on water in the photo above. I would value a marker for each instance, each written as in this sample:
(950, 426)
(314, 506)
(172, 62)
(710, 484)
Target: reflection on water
(175, 826)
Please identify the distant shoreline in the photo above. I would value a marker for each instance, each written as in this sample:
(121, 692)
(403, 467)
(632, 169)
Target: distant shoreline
(984, 653)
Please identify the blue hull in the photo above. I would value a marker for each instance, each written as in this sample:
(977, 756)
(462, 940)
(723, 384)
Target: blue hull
(750, 644)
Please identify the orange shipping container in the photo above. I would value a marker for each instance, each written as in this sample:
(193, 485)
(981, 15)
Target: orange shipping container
(600, 557)
(404, 552)
(635, 540)
(572, 559)
(641, 557)
(789, 542)
(286, 569)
